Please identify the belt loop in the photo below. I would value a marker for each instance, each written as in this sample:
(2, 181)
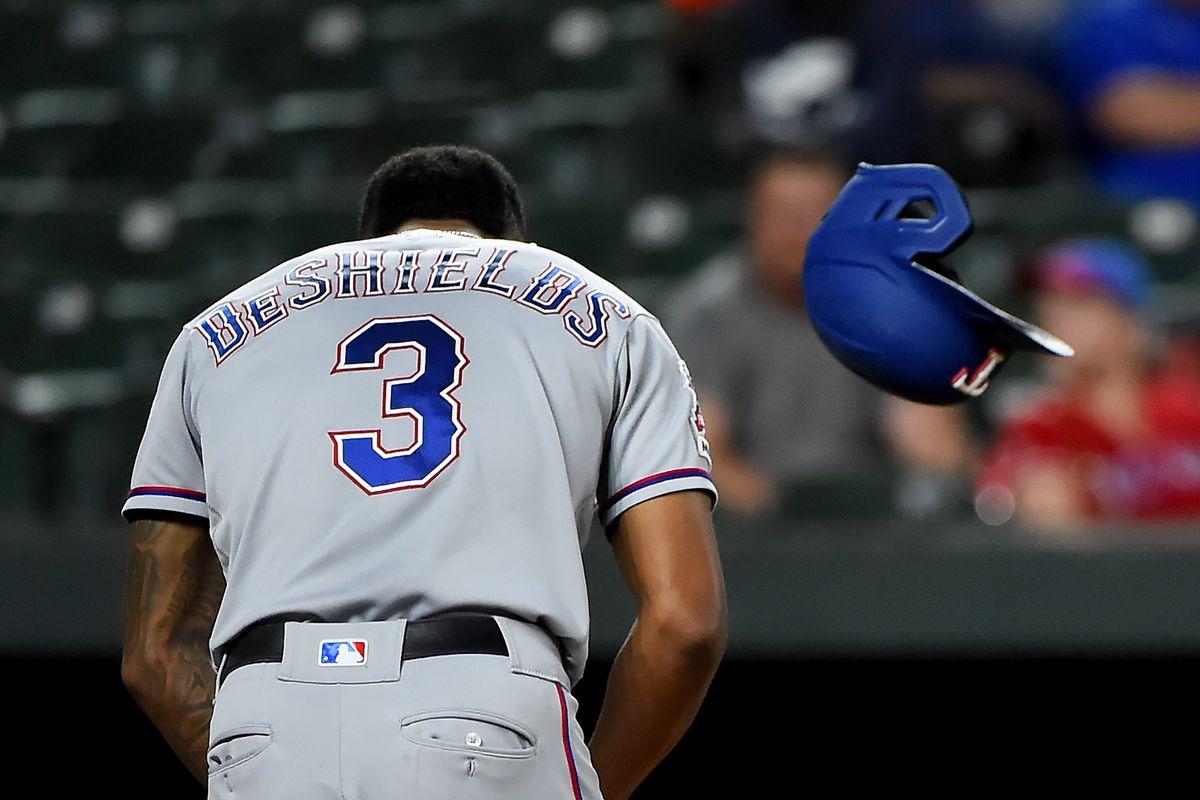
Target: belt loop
(510, 641)
(221, 672)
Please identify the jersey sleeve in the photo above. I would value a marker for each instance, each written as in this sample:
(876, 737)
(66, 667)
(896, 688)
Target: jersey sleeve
(168, 474)
(656, 443)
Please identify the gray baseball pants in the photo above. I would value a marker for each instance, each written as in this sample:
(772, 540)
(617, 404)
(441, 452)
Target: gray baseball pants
(452, 727)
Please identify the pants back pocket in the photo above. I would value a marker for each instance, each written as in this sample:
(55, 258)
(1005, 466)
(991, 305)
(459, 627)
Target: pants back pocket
(470, 732)
(237, 746)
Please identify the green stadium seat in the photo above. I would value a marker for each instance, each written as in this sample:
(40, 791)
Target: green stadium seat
(219, 242)
(501, 51)
(16, 494)
(671, 235)
(590, 234)
(70, 244)
(71, 463)
(424, 60)
(100, 447)
(151, 151)
(301, 228)
(675, 152)
(567, 147)
(399, 129)
(309, 137)
(45, 46)
(216, 253)
(863, 496)
(276, 52)
(18, 330)
(591, 47)
(49, 131)
(168, 53)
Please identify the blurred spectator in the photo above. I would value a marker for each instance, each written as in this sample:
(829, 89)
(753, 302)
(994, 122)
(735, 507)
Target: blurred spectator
(906, 80)
(935, 447)
(1132, 72)
(1114, 436)
(907, 48)
(778, 406)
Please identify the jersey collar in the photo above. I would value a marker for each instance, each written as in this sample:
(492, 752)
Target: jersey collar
(438, 232)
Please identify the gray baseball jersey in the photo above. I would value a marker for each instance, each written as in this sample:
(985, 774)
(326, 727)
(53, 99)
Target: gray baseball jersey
(414, 424)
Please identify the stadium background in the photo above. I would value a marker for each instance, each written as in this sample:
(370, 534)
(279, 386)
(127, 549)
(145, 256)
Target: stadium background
(155, 154)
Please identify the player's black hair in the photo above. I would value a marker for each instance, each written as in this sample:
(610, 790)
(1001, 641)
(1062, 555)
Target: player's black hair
(443, 182)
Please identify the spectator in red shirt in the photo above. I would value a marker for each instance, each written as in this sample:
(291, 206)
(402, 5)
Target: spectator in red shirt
(1115, 437)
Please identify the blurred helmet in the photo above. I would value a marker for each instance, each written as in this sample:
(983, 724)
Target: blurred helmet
(888, 310)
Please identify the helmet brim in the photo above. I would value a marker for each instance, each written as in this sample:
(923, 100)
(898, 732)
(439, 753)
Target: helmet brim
(1015, 332)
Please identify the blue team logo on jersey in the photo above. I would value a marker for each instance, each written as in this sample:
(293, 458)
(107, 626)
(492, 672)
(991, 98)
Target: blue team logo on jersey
(343, 653)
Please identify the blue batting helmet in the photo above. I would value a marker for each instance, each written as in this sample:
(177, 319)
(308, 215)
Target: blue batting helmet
(887, 310)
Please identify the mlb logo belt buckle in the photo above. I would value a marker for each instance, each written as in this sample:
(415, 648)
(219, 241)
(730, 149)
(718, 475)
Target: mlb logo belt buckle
(342, 653)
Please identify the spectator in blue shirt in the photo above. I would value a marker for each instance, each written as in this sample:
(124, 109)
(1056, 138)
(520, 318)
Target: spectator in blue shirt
(911, 57)
(1132, 72)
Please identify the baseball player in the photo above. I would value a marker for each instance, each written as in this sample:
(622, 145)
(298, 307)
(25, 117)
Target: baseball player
(359, 505)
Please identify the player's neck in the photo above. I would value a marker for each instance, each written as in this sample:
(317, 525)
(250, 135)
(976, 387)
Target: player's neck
(447, 225)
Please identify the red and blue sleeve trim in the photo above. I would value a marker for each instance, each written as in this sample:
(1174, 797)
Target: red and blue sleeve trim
(670, 475)
(168, 491)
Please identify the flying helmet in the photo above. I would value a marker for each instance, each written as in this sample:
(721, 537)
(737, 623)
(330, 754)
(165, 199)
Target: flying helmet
(886, 307)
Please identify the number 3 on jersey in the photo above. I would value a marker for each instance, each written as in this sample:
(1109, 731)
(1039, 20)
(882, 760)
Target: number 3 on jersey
(426, 397)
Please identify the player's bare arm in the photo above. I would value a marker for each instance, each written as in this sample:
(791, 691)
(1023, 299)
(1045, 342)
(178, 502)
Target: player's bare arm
(173, 590)
(667, 550)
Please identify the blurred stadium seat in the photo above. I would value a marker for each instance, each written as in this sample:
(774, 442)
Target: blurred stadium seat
(150, 150)
(216, 242)
(60, 45)
(50, 131)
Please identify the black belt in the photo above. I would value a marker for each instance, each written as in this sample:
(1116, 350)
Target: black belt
(463, 634)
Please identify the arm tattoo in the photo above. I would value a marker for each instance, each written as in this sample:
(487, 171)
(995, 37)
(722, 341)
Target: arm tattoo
(173, 590)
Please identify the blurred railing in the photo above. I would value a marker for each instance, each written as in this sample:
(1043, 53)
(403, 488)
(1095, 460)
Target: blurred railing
(795, 590)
